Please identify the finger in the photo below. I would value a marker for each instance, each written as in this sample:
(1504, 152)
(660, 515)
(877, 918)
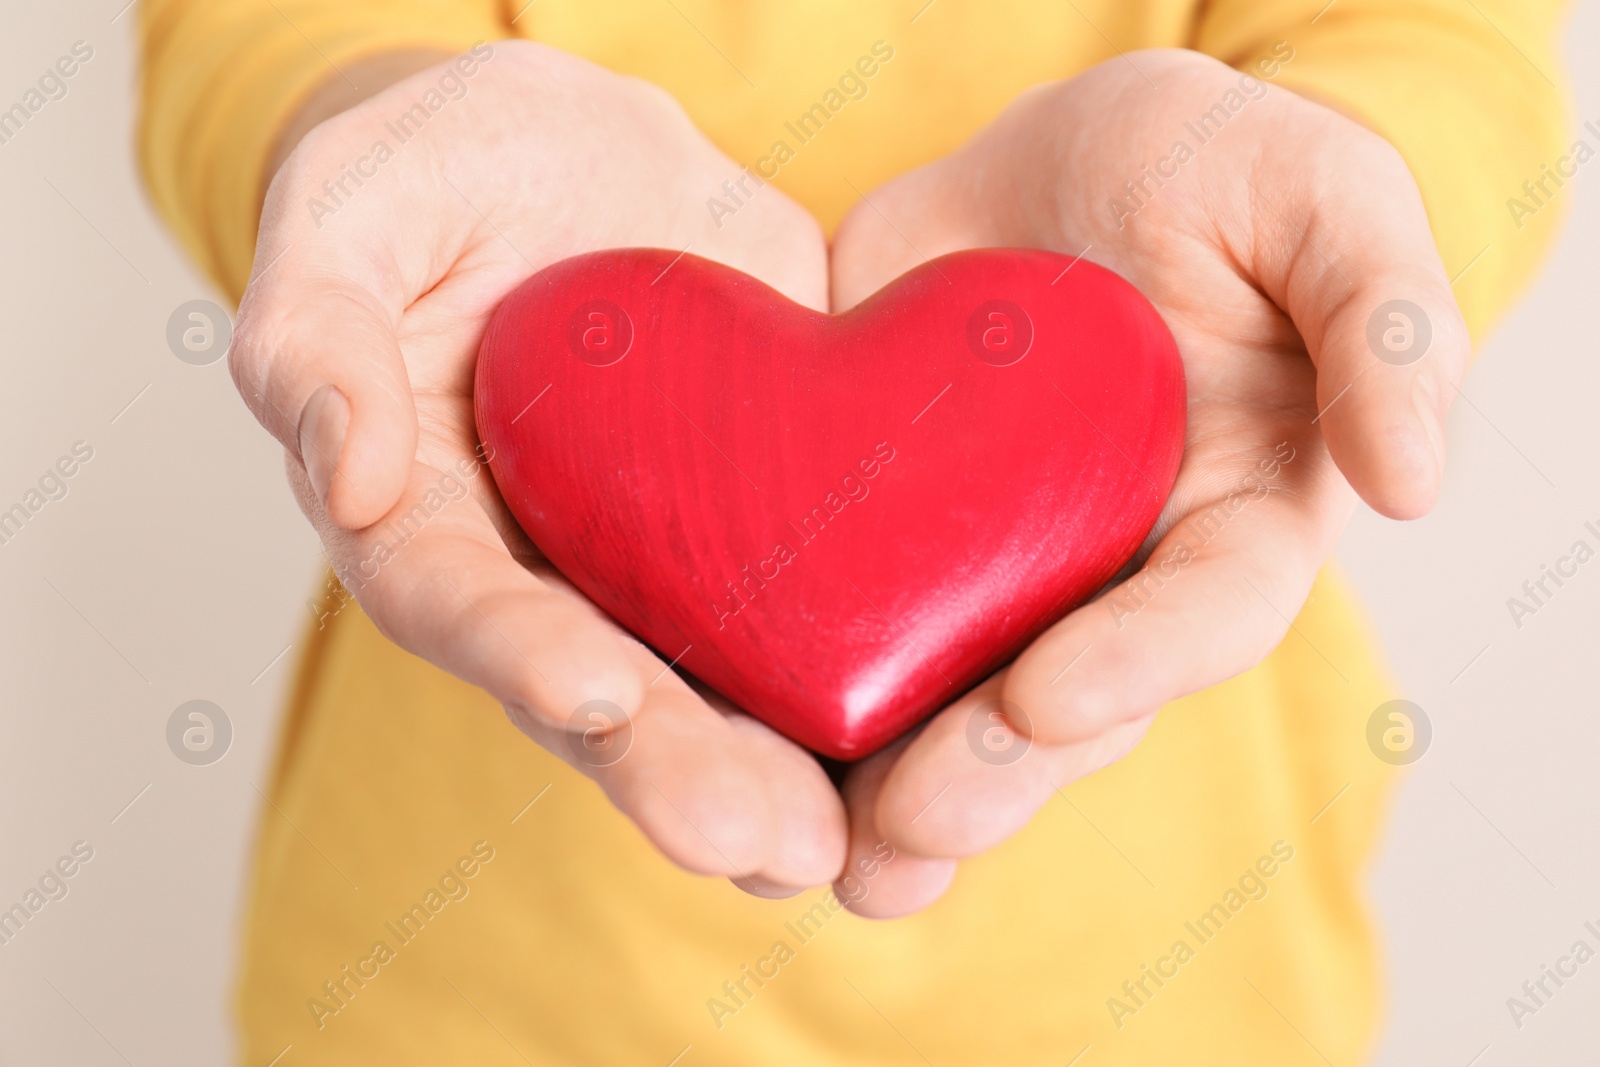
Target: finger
(681, 772)
(1361, 278)
(701, 784)
(717, 792)
(970, 780)
(1215, 596)
(809, 830)
(879, 881)
(316, 352)
(317, 358)
(435, 578)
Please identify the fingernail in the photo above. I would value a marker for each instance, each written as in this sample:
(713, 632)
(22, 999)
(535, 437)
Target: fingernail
(766, 888)
(322, 428)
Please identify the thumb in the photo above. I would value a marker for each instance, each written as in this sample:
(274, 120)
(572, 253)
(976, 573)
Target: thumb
(1362, 280)
(317, 358)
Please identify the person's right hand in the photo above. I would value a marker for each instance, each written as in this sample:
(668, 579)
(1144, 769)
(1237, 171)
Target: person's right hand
(356, 346)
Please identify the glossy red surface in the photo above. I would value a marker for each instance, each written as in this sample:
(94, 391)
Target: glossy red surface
(839, 522)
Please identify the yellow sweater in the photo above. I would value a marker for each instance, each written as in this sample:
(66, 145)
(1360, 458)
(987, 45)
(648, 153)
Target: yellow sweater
(1200, 902)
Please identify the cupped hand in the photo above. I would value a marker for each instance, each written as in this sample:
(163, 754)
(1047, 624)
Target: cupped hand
(1290, 255)
(387, 239)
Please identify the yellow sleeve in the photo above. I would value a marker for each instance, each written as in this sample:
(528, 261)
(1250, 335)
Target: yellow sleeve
(220, 78)
(1472, 93)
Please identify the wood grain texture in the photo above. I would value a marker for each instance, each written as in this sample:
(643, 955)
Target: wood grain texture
(839, 522)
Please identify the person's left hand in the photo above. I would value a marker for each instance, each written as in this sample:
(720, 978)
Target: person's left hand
(1274, 251)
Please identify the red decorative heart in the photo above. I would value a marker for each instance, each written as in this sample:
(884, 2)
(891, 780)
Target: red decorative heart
(839, 522)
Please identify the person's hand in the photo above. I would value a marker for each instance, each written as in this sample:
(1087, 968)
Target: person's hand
(376, 272)
(1273, 250)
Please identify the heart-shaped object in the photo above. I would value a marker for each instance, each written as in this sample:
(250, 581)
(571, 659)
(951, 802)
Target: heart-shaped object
(839, 522)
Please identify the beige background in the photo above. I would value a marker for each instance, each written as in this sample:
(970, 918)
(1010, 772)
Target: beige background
(177, 567)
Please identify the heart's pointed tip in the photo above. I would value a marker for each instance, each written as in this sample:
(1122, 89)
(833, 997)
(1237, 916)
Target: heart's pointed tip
(846, 753)
(851, 738)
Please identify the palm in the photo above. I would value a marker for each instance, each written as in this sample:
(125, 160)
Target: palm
(391, 316)
(1265, 255)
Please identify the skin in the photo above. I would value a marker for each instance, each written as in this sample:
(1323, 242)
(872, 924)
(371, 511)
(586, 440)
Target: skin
(1266, 255)
(356, 344)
